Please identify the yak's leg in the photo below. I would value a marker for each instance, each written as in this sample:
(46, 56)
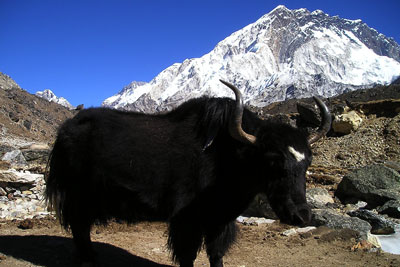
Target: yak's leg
(81, 236)
(184, 240)
(218, 240)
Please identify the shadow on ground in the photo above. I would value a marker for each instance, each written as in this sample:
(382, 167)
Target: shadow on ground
(59, 252)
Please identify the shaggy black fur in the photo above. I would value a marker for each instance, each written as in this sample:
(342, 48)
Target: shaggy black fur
(182, 167)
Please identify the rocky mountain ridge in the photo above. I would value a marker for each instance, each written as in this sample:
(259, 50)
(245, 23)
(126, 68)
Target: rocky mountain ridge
(26, 116)
(6, 82)
(285, 54)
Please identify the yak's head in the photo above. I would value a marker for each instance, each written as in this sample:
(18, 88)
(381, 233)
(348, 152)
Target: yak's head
(284, 153)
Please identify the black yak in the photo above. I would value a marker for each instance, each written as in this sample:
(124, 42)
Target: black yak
(197, 167)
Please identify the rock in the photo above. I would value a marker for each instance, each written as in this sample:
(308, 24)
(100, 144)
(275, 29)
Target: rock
(335, 220)
(393, 165)
(391, 208)
(15, 158)
(27, 124)
(4, 148)
(38, 156)
(346, 123)
(305, 229)
(380, 226)
(14, 116)
(254, 220)
(302, 230)
(21, 208)
(13, 176)
(26, 224)
(318, 197)
(3, 192)
(10, 189)
(37, 146)
(4, 165)
(364, 245)
(289, 232)
(374, 240)
(374, 184)
(17, 193)
(353, 207)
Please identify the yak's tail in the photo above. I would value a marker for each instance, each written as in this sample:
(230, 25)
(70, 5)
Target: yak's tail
(56, 183)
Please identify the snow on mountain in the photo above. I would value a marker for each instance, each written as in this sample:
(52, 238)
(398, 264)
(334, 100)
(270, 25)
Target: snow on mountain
(285, 54)
(127, 94)
(50, 96)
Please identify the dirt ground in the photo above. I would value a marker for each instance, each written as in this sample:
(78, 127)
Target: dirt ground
(144, 244)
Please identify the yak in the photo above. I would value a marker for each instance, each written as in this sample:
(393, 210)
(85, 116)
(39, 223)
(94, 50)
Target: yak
(197, 167)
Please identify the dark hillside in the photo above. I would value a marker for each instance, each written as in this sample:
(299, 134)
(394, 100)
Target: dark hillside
(26, 115)
(355, 97)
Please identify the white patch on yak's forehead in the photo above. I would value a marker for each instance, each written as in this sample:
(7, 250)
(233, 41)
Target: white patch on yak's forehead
(297, 155)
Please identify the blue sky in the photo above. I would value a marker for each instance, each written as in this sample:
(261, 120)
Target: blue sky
(87, 50)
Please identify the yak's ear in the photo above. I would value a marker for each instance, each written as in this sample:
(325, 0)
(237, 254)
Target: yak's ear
(212, 132)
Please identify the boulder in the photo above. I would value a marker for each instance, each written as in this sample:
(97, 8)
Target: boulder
(380, 226)
(374, 184)
(318, 197)
(346, 123)
(391, 208)
(336, 220)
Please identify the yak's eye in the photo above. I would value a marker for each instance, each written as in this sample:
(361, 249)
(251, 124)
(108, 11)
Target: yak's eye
(273, 158)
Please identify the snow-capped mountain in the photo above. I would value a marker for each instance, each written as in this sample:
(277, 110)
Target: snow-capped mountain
(285, 54)
(50, 96)
(124, 95)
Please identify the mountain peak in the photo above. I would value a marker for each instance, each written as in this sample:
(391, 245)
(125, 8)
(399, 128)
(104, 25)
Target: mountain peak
(51, 97)
(279, 8)
(285, 54)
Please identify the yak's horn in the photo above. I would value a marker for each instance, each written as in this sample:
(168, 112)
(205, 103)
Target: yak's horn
(325, 122)
(235, 123)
